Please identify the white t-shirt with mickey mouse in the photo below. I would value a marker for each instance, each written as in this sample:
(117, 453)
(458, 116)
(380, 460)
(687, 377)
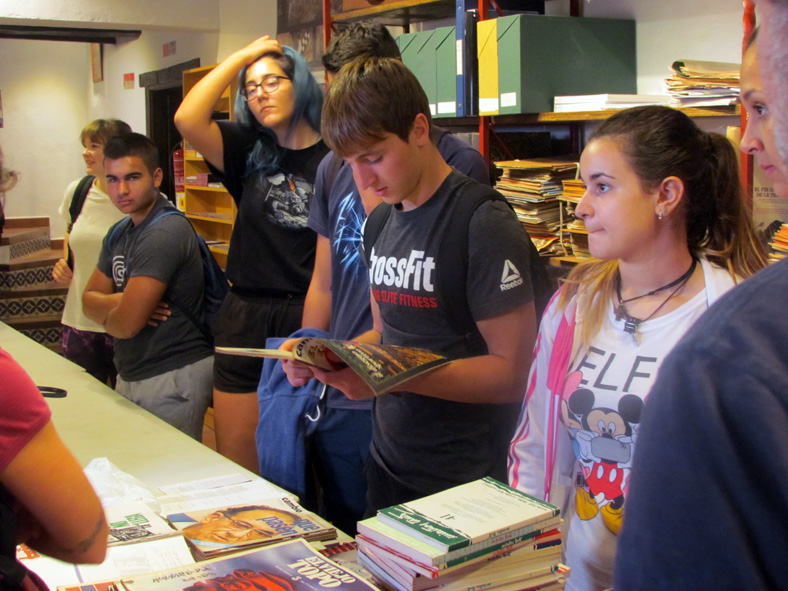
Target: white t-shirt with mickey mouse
(611, 380)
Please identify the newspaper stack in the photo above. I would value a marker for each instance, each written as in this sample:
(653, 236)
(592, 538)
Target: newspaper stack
(703, 84)
(533, 188)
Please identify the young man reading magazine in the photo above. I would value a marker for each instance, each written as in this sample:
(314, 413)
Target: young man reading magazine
(451, 425)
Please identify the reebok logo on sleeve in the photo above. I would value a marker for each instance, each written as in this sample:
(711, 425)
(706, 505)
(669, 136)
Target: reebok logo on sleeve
(511, 276)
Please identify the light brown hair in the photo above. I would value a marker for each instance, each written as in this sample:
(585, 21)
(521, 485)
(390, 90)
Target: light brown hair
(368, 99)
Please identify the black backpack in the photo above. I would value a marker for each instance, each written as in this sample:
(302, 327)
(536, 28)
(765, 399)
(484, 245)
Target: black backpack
(215, 285)
(77, 202)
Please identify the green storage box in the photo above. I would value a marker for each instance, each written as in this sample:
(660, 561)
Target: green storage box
(444, 42)
(540, 57)
(419, 57)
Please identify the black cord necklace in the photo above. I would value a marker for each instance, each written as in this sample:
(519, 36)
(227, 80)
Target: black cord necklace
(630, 322)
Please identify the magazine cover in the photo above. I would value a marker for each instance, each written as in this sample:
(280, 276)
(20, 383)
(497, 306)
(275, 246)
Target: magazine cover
(382, 367)
(289, 566)
(226, 529)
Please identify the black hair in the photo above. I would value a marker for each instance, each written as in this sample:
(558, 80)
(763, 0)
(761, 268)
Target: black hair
(363, 39)
(133, 144)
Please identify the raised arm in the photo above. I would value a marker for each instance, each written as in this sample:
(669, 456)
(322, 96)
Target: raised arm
(61, 515)
(193, 118)
(317, 308)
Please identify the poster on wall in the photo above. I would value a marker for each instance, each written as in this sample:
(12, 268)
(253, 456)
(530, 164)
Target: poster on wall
(97, 61)
(300, 26)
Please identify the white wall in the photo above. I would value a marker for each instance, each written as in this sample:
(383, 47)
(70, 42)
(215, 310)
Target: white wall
(44, 108)
(48, 93)
(668, 30)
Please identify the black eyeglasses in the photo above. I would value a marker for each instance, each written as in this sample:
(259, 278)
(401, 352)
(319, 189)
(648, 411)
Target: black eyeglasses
(269, 84)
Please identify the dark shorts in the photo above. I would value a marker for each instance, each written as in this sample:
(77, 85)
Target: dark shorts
(247, 321)
(91, 350)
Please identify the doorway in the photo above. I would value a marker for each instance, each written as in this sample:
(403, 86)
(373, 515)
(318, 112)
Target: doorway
(162, 104)
(163, 95)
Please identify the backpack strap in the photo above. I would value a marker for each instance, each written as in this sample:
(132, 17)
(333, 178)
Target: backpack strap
(75, 208)
(200, 244)
(78, 199)
(373, 225)
(454, 253)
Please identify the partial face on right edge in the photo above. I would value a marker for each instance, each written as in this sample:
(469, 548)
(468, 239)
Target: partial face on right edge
(773, 61)
(758, 139)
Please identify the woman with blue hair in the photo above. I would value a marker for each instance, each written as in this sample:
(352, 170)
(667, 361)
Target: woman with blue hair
(267, 160)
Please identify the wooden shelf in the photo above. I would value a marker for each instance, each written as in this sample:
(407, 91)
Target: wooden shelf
(211, 210)
(204, 188)
(574, 117)
(208, 217)
(399, 13)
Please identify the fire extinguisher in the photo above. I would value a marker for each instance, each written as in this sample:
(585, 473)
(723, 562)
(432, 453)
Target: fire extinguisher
(178, 178)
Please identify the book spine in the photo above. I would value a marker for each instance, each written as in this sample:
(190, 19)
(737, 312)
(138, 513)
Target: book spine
(479, 550)
(430, 567)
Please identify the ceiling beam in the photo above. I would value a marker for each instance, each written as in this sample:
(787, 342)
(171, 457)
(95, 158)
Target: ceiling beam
(110, 36)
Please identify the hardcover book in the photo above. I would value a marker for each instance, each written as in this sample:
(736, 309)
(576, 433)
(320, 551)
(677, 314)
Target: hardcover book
(468, 514)
(430, 561)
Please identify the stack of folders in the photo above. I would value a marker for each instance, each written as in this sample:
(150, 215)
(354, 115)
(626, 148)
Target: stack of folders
(480, 535)
(533, 188)
(703, 84)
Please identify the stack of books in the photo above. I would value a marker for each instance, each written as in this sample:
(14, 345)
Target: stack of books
(533, 188)
(703, 84)
(602, 102)
(573, 226)
(480, 535)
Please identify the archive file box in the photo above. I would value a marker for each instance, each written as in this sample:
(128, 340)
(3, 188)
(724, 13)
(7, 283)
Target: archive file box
(418, 54)
(444, 45)
(540, 57)
(487, 50)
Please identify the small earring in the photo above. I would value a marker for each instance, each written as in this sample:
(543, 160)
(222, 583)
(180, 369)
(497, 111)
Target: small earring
(659, 215)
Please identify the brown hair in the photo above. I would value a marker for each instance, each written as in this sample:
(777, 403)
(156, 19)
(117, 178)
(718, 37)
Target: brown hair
(659, 142)
(101, 130)
(370, 98)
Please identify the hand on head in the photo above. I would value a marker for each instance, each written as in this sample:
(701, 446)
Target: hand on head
(261, 46)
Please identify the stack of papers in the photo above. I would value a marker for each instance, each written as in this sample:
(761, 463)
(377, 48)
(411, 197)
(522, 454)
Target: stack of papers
(533, 187)
(703, 84)
(601, 102)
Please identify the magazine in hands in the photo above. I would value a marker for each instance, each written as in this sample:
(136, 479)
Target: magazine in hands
(382, 367)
